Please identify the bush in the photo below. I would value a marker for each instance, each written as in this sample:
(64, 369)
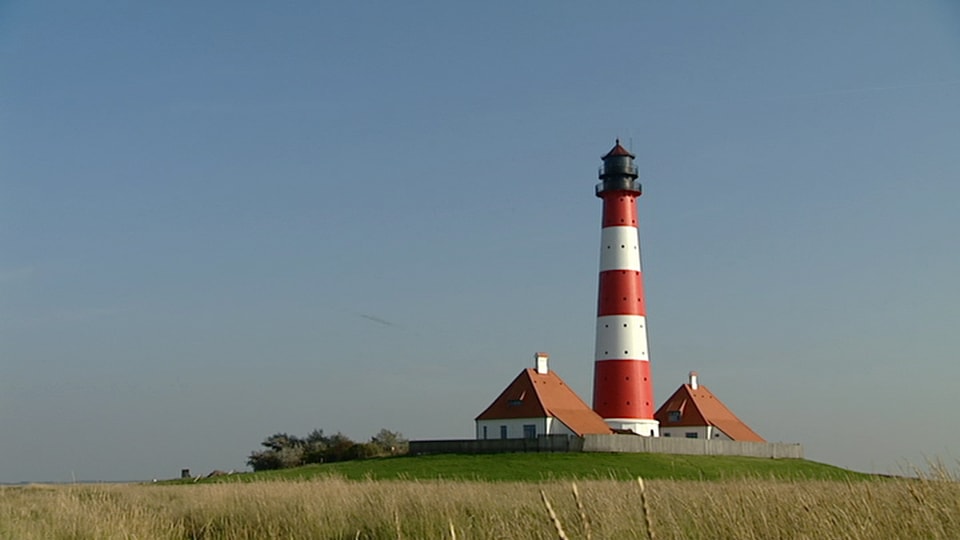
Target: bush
(391, 443)
(364, 451)
(285, 451)
(266, 460)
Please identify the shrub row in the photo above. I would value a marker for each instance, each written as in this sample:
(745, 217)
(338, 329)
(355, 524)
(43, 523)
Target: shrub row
(283, 450)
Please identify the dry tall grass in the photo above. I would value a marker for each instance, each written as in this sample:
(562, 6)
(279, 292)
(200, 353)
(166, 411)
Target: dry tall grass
(334, 508)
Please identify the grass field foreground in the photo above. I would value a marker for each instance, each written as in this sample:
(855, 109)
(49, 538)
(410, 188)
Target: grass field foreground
(342, 509)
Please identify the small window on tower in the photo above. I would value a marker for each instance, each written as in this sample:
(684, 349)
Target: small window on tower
(673, 416)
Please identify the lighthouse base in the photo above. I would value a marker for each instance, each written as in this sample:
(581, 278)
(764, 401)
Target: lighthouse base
(640, 426)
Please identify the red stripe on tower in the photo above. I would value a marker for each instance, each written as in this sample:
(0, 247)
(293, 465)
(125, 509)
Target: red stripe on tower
(622, 386)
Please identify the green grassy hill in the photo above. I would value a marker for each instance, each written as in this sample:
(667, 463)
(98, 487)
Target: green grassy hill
(553, 466)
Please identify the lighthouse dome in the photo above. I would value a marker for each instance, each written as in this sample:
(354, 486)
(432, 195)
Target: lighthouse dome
(617, 151)
(618, 171)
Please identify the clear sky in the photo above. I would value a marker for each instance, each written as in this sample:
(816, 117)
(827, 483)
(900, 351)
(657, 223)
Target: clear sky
(221, 220)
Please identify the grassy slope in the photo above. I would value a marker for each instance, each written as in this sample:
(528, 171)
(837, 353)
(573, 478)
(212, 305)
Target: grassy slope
(547, 466)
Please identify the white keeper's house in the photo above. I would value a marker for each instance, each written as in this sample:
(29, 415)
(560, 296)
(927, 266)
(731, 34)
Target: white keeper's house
(695, 413)
(538, 402)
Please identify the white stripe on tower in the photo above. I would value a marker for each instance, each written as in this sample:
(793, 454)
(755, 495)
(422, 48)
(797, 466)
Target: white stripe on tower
(619, 249)
(622, 336)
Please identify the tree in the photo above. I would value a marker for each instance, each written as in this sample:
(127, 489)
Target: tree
(283, 450)
(315, 447)
(390, 443)
(363, 451)
(317, 436)
(266, 460)
(338, 447)
(279, 441)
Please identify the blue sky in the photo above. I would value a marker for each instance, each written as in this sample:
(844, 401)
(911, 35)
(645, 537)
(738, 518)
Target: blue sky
(222, 220)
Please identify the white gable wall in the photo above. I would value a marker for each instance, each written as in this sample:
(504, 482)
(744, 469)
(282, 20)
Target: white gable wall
(556, 427)
(544, 426)
(703, 432)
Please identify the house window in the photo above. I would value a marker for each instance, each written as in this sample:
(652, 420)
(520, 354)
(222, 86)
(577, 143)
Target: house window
(515, 403)
(673, 416)
(666, 434)
(484, 432)
(503, 432)
(529, 431)
(690, 434)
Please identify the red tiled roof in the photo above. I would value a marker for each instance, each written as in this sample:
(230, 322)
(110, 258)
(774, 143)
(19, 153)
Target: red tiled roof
(538, 395)
(701, 408)
(618, 151)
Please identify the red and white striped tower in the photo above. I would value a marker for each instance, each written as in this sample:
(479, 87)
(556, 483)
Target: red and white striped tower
(622, 385)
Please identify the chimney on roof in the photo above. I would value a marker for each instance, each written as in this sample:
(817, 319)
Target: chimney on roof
(541, 362)
(693, 380)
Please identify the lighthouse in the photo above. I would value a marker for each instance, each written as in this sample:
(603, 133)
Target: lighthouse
(622, 385)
